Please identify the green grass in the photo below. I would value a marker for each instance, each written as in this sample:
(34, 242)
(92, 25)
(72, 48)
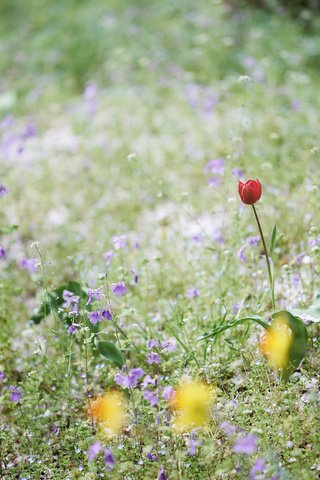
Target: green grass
(73, 187)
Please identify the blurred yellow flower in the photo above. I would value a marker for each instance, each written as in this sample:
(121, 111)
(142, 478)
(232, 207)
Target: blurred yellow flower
(276, 342)
(110, 412)
(192, 402)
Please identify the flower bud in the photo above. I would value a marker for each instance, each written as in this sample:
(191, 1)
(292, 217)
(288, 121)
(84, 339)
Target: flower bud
(250, 192)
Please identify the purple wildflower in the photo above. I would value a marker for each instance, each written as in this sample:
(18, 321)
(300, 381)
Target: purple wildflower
(227, 428)
(218, 237)
(29, 132)
(237, 172)
(94, 449)
(108, 459)
(214, 182)
(3, 190)
(253, 241)
(193, 94)
(29, 264)
(95, 317)
(6, 122)
(215, 166)
(2, 375)
(119, 289)
(296, 105)
(247, 444)
(193, 443)
(108, 256)
(151, 456)
(16, 393)
(259, 466)
(135, 278)
(90, 97)
(314, 242)
(90, 91)
(209, 103)
(299, 258)
(119, 241)
(55, 429)
(130, 380)
(192, 293)
(241, 254)
(71, 301)
(236, 307)
(250, 62)
(66, 294)
(95, 295)
(295, 279)
(151, 397)
(197, 239)
(148, 380)
(161, 475)
(2, 252)
(151, 343)
(153, 357)
(167, 392)
(170, 345)
(72, 329)
(107, 313)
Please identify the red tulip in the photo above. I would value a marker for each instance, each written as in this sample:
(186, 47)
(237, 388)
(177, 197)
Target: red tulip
(250, 192)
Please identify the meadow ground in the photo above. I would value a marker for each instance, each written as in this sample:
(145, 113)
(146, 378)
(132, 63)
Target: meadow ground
(125, 127)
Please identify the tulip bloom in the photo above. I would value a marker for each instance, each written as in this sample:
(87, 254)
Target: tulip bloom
(276, 342)
(250, 192)
(191, 402)
(109, 411)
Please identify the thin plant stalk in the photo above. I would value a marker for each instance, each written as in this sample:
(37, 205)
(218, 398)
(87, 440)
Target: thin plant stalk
(87, 383)
(271, 281)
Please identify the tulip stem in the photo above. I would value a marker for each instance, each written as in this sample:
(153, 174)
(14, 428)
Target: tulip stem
(266, 255)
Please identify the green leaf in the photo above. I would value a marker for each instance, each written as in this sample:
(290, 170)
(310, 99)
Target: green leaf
(273, 240)
(231, 345)
(216, 331)
(299, 343)
(311, 314)
(109, 351)
(8, 229)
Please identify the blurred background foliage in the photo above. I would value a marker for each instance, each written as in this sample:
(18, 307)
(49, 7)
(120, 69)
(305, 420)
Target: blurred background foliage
(59, 45)
(297, 6)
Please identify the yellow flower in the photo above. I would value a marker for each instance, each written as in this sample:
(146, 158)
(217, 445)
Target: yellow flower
(192, 402)
(109, 411)
(276, 342)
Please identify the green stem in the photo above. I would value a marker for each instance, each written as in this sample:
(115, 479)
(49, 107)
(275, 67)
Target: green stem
(266, 255)
(233, 324)
(87, 383)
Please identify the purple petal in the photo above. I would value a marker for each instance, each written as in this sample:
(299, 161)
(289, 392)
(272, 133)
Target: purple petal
(167, 392)
(228, 428)
(162, 475)
(247, 444)
(259, 466)
(108, 459)
(94, 449)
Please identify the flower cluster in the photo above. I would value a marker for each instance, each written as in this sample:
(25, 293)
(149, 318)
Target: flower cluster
(95, 449)
(71, 302)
